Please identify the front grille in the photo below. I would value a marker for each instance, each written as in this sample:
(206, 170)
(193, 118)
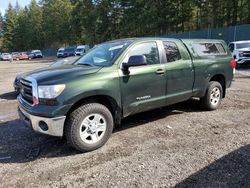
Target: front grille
(246, 54)
(26, 90)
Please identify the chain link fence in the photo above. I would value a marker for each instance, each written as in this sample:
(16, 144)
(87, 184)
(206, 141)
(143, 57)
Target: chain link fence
(228, 34)
(49, 52)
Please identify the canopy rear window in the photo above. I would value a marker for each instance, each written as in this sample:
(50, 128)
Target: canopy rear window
(205, 49)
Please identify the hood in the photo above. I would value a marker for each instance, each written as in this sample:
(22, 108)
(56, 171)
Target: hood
(244, 49)
(60, 74)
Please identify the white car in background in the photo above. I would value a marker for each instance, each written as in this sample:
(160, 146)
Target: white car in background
(37, 53)
(5, 57)
(240, 51)
(60, 52)
(81, 49)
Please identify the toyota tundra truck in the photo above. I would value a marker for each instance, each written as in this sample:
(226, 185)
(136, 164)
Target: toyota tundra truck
(85, 100)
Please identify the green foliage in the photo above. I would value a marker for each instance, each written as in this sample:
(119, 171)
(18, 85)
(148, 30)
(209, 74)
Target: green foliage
(1, 25)
(21, 32)
(9, 27)
(34, 21)
(56, 23)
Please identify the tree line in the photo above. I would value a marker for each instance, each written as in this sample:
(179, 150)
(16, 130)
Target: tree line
(55, 23)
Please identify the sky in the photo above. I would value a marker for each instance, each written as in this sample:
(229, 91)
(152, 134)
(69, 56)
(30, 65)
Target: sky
(4, 4)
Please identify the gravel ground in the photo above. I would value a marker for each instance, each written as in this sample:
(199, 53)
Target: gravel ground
(176, 146)
(8, 72)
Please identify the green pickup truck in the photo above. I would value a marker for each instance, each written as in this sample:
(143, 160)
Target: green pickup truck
(83, 101)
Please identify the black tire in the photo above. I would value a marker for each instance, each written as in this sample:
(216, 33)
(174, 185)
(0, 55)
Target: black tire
(206, 101)
(238, 66)
(75, 119)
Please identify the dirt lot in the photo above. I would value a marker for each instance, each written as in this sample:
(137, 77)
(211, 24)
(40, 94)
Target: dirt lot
(180, 146)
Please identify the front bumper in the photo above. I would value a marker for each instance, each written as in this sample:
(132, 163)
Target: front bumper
(243, 60)
(49, 126)
(38, 56)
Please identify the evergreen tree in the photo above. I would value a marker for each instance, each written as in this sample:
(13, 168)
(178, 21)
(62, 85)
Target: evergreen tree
(21, 36)
(1, 25)
(55, 23)
(9, 27)
(34, 26)
(84, 20)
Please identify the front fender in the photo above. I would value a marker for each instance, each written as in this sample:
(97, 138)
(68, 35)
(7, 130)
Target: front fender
(93, 93)
(104, 83)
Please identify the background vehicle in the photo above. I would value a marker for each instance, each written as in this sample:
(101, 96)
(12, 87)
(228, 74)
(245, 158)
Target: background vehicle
(14, 55)
(81, 49)
(19, 56)
(86, 99)
(37, 53)
(240, 51)
(69, 51)
(30, 55)
(60, 52)
(5, 57)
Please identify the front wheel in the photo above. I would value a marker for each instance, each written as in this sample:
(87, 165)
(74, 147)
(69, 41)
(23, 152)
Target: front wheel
(89, 127)
(238, 65)
(213, 96)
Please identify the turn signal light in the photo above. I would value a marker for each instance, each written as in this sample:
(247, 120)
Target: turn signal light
(35, 101)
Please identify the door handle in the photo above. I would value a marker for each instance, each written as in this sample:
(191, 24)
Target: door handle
(160, 71)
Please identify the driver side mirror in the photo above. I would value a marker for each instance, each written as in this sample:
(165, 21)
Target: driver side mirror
(134, 61)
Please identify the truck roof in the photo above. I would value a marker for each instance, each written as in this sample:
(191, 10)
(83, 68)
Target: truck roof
(202, 40)
(163, 38)
(80, 46)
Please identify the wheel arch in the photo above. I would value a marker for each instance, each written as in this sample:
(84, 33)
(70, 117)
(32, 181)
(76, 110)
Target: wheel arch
(105, 100)
(222, 80)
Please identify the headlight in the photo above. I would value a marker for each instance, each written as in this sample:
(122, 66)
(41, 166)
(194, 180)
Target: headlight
(50, 92)
(241, 54)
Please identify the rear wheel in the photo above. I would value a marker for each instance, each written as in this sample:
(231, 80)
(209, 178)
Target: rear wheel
(212, 99)
(89, 127)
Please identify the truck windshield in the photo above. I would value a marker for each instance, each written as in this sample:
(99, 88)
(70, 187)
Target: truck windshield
(69, 49)
(243, 45)
(104, 54)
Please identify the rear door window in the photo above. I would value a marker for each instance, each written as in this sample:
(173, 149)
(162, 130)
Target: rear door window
(172, 52)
